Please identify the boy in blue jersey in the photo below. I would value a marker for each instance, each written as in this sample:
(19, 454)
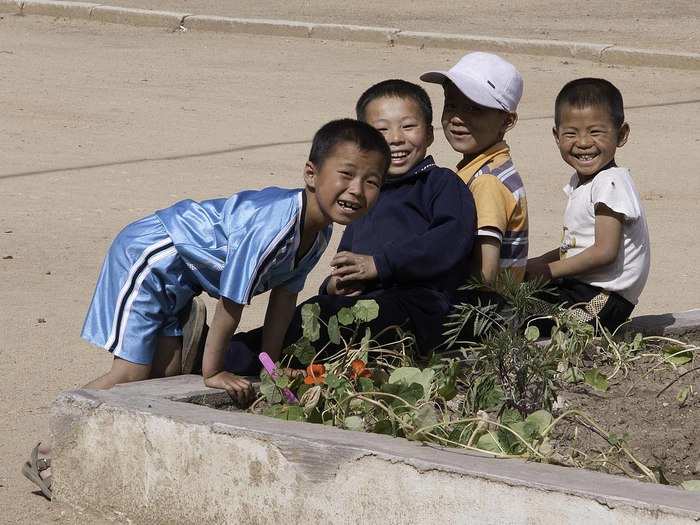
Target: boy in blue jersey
(232, 249)
(411, 251)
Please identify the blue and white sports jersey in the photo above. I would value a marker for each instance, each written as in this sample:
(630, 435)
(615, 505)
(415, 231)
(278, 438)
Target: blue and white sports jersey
(246, 244)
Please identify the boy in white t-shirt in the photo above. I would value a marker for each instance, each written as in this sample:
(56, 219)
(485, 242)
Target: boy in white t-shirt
(602, 264)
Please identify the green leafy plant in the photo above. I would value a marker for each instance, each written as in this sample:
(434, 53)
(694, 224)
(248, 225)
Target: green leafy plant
(496, 394)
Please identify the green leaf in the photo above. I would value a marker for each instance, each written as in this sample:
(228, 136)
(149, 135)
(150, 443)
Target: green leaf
(304, 351)
(309, 321)
(282, 381)
(490, 443)
(597, 380)
(540, 420)
(383, 426)
(532, 333)
(354, 423)
(572, 375)
(286, 412)
(682, 396)
(295, 413)
(333, 381)
(365, 384)
(410, 393)
(425, 416)
(510, 416)
(678, 355)
(345, 316)
(269, 390)
(408, 374)
(513, 444)
(365, 310)
(333, 330)
(691, 484)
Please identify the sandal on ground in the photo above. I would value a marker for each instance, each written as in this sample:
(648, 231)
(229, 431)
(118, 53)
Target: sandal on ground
(192, 331)
(33, 468)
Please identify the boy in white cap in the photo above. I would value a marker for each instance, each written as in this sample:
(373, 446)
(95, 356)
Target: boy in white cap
(482, 92)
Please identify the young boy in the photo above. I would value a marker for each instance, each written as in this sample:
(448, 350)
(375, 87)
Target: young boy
(603, 261)
(482, 92)
(411, 251)
(233, 249)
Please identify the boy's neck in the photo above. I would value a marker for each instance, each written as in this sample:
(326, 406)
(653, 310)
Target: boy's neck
(468, 158)
(313, 220)
(582, 179)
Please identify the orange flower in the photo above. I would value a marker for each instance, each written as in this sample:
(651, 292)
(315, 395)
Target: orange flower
(315, 374)
(359, 369)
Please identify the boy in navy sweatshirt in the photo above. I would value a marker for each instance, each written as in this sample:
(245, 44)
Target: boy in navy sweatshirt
(411, 251)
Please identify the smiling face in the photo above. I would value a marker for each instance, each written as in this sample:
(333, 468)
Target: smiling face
(345, 185)
(469, 127)
(588, 138)
(405, 129)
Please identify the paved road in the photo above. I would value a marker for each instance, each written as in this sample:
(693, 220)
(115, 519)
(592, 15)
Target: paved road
(102, 124)
(669, 24)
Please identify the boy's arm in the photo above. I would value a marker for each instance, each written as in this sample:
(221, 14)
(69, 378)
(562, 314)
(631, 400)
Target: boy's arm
(540, 265)
(223, 326)
(280, 310)
(608, 236)
(486, 258)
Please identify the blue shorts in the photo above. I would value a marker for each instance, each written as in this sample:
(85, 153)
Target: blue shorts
(142, 286)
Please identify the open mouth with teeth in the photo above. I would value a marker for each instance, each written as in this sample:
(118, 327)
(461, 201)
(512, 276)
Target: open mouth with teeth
(399, 155)
(585, 157)
(349, 206)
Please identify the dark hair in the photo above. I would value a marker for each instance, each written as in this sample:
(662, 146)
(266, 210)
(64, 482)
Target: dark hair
(585, 92)
(364, 136)
(396, 88)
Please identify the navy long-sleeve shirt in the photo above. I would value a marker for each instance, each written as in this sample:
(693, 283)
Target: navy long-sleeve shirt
(420, 232)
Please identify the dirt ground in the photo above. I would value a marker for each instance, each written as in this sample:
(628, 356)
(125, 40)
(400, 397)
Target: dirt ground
(102, 124)
(662, 431)
(671, 25)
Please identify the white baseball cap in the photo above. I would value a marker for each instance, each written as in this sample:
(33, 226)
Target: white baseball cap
(484, 78)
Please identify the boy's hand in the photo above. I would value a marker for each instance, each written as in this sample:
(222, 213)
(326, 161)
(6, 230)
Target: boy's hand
(538, 268)
(353, 267)
(348, 289)
(240, 390)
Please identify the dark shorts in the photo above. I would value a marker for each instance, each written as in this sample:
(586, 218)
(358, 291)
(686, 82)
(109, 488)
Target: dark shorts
(590, 302)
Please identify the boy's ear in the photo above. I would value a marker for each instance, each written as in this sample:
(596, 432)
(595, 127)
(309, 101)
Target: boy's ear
(431, 135)
(556, 135)
(310, 175)
(510, 121)
(622, 134)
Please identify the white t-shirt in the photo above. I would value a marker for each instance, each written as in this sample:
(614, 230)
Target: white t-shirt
(628, 273)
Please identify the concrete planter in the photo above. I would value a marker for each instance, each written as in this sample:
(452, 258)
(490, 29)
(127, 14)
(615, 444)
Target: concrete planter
(152, 452)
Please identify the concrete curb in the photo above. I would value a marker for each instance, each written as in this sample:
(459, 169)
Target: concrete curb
(137, 17)
(223, 24)
(600, 53)
(58, 9)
